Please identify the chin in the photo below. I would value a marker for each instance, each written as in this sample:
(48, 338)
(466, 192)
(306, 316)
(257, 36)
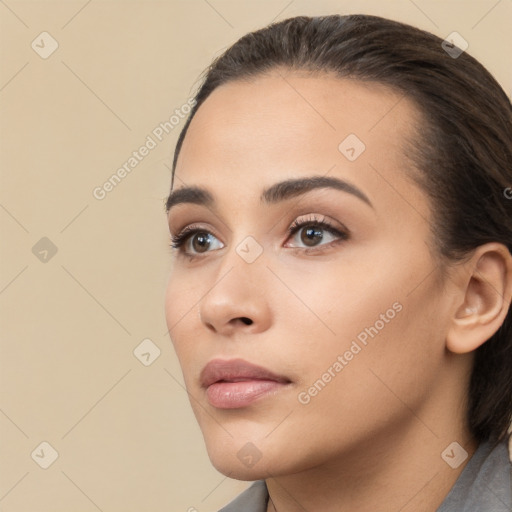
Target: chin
(232, 467)
(243, 460)
(236, 472)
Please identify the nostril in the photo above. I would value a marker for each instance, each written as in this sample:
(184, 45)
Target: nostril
(245, 320)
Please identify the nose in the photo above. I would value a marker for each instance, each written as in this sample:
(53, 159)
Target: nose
(238, 299)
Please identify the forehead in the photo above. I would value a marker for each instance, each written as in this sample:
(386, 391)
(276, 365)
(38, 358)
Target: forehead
(249, 134)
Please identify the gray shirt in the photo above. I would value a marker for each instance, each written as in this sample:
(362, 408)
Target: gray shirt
(485, 485)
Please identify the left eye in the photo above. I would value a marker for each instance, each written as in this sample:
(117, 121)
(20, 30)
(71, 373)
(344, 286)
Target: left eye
(312, 234)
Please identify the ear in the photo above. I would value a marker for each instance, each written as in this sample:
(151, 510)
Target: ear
(485, 286)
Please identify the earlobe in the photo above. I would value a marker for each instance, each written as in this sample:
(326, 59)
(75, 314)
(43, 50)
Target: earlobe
(485, 291)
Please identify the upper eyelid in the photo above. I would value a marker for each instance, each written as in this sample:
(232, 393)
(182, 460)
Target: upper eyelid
(312, 219)
(191, 229)
(171, 215)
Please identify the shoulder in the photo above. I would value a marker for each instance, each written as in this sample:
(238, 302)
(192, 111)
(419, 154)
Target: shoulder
(253, 499)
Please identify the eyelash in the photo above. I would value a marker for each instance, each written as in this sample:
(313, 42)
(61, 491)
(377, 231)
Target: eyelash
(177, 241)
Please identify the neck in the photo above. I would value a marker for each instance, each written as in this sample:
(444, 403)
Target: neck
(394, 471)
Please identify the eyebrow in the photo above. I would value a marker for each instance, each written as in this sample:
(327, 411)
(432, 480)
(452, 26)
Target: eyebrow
(274, 194)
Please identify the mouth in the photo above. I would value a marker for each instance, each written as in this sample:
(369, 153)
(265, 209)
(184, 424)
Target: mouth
(235, 383)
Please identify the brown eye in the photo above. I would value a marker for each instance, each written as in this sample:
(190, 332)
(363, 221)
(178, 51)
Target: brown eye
(193, 241)
(314, 233)
(200, 242)
(311, 236)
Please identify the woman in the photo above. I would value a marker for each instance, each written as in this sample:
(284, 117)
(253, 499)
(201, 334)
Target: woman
(339, 298)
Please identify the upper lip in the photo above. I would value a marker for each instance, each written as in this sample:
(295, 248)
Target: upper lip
(236, 370)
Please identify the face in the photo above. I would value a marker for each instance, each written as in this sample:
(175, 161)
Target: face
(327, 285)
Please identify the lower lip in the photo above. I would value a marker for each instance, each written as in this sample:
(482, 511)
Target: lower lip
(233, 395)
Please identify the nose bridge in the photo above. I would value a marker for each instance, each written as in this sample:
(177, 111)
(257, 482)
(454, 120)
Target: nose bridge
(242, 273)
(245, 259)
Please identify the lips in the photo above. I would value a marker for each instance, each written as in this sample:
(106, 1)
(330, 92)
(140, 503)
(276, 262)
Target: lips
(237, 383)
(236, 370)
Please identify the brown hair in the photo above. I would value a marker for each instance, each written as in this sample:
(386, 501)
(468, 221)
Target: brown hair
(463, 152)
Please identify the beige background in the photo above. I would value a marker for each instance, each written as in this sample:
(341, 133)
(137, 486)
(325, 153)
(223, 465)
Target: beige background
(124, 432)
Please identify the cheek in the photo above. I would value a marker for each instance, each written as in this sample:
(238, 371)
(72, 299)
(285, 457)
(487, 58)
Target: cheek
(387, 325)
(328, 305)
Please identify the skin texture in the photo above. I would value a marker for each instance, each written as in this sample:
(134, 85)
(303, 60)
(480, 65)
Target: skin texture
(372, 438)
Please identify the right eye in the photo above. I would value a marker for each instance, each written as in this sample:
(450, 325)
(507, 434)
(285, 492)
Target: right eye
(192, 241)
